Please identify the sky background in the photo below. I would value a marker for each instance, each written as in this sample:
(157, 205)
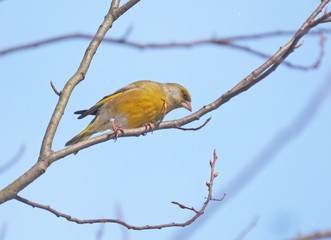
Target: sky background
(136, 179)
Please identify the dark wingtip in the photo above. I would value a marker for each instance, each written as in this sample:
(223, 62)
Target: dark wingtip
(82, 113)
(72, 141)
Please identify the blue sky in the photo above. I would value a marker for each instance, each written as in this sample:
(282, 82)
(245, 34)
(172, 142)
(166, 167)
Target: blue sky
(137, 178)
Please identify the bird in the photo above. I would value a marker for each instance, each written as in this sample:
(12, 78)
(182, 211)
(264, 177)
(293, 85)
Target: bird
(140, 103)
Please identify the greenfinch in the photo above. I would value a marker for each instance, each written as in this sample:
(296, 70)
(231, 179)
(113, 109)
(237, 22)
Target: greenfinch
(137, 104)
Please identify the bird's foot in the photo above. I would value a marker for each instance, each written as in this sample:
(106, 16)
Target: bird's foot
(148, 126)
(117, 130)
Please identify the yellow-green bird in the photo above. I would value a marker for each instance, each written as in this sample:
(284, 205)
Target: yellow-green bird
(137, 104)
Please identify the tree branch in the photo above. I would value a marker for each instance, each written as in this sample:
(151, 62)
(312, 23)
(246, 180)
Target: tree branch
(227, 42)
(209, 184)
(113, 14)
(47, 156)
(257, 75)
(317, 235)
(194, 43)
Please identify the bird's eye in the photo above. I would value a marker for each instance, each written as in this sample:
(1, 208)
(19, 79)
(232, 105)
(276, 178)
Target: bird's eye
(185, 96)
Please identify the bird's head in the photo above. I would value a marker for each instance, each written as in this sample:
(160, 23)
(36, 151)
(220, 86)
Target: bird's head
(177, 96)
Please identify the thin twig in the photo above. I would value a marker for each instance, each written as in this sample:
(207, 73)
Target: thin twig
(197, 128)
(90, 221)
(299, 45)
(219, 199)
(184, 207)
(54, 89)
(322, 52)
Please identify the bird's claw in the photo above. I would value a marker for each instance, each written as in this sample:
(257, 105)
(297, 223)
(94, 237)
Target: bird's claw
(148, 125)
(117, 130)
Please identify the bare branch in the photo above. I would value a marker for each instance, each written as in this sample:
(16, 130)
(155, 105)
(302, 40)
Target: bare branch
(257, 75)
(115, 4)
(270, 150)
(219, 199)
(226, 41)
(322, 44)
(47, 156)
(118, 12)
(268, 153)
(317, 235)
(45, 42)
(111, 16)
(184, 207)
(90, 221)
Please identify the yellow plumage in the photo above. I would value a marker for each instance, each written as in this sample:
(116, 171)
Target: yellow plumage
(137, 104)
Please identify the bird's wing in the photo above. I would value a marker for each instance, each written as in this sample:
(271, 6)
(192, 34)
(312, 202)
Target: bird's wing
(94, 110)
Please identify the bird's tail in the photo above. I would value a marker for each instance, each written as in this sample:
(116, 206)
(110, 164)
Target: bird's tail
(81, 136)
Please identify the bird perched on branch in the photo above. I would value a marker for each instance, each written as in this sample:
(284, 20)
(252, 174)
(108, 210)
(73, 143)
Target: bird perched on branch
(135, 105)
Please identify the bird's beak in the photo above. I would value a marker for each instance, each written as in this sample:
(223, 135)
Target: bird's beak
(187, 105)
